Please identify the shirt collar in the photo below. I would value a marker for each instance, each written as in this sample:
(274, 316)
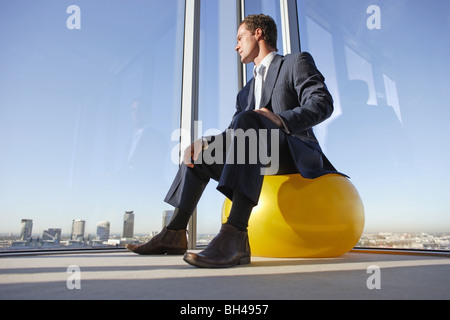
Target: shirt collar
(267, 61)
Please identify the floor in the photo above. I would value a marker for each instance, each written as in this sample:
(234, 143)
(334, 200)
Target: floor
(124, 275)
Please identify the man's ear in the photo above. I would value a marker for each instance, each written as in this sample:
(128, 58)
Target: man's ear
(259, 34)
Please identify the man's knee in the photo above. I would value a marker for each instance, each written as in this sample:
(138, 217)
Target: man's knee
(247, 120)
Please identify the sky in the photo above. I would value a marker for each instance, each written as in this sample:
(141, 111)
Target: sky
(69, 116)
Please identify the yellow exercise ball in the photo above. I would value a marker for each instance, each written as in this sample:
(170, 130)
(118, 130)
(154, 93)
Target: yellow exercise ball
(304, 218)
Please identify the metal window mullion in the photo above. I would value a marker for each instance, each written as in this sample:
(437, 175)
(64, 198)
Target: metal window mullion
(242, 70)
(189, 103)
(289, 26)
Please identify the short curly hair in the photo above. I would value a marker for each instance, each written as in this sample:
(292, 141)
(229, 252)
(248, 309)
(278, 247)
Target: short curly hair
(266, 24)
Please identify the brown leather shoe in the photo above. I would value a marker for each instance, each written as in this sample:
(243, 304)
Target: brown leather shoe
(229, 248)
(167, 241)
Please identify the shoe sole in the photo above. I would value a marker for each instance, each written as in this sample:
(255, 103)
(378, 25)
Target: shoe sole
(173, 253)
(202, 264)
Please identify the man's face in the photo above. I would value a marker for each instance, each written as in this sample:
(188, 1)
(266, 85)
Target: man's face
(247, 44)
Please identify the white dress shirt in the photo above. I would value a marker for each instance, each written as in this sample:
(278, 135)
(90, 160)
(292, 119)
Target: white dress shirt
(260, 74)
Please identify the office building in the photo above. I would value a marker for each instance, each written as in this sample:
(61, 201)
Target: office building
(27, 228)
(128, 224)
(103, 230)
(78, 229)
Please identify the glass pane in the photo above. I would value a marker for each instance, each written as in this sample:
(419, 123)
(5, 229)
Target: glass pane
(387, 68)
(90, 97)
(267, 7)
(218, 87)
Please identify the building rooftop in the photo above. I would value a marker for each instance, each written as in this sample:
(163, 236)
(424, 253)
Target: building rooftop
(119, 274)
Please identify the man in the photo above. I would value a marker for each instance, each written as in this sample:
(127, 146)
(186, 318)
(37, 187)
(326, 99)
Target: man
(287, 96)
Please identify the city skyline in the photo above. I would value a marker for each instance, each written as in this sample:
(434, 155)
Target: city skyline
(54, 239)
(165, 219)
(78, 228)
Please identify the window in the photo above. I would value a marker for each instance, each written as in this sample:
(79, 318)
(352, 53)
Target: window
(271, 8)
(386, 64)
(218, 87)
(91, 99)
(90, 96)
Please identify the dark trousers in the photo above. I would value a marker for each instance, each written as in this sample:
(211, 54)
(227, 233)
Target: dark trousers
(233, 175)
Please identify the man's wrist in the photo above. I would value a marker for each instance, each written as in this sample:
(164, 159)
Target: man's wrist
(204, 143)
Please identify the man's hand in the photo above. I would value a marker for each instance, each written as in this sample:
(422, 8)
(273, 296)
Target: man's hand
(192, 152)
(270, 115)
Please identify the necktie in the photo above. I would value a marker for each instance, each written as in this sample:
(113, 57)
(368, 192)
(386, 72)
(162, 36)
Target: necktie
(258, 73)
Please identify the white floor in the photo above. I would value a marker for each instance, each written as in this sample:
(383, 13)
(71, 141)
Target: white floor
(124, 275)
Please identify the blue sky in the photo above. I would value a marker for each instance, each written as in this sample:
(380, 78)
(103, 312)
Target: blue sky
(66, 120)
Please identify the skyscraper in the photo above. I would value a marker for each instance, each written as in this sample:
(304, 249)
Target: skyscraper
(27, 228)
(103, 229)
(128, 224)
(78, 229)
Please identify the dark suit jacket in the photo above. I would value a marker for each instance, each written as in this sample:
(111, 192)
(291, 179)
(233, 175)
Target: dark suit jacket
(295, 90)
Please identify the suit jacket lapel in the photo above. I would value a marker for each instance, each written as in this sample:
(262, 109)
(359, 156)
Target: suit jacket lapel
(271, 78)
